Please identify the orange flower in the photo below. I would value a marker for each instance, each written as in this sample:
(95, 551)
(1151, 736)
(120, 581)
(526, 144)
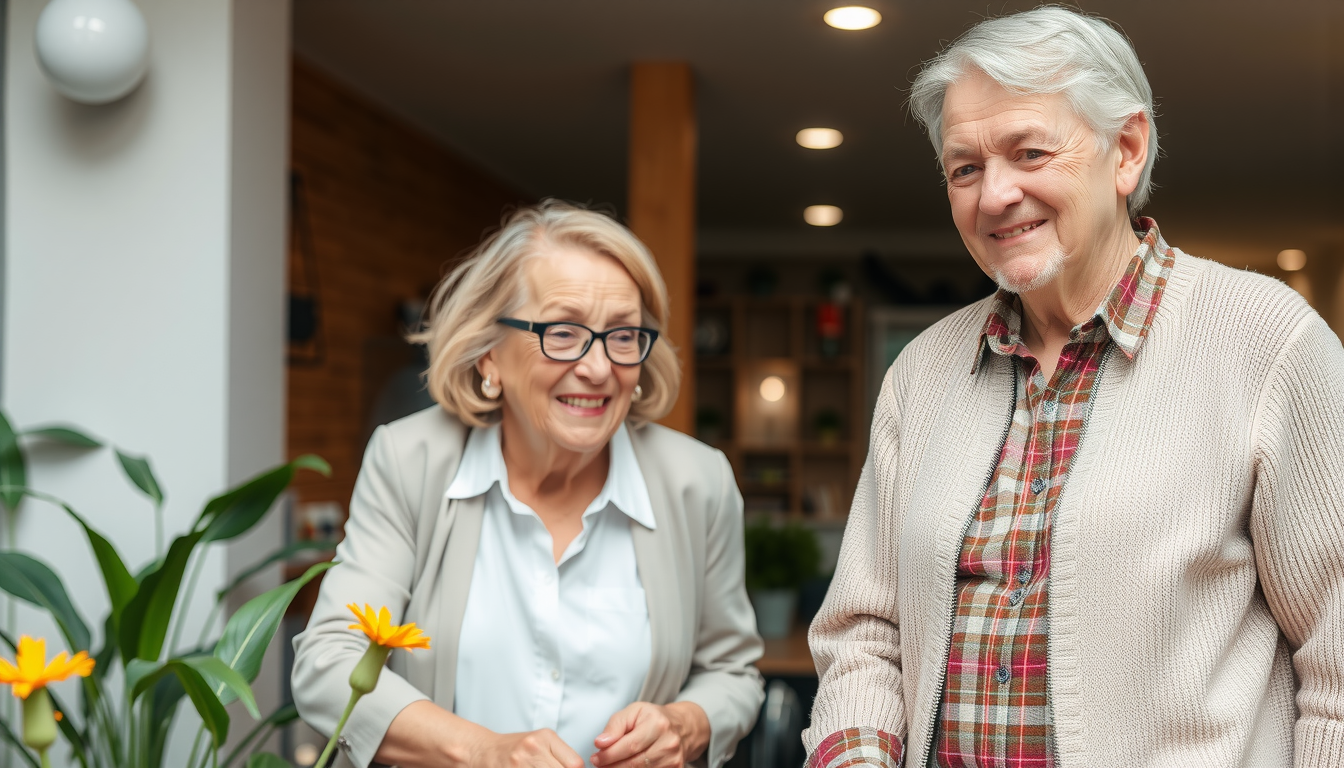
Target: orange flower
(33, 672)
(381, 631)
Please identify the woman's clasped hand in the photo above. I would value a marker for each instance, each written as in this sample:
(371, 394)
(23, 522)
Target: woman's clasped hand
(642, 735)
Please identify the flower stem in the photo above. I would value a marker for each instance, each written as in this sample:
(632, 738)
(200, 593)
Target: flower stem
(46, 763)
(336, 734)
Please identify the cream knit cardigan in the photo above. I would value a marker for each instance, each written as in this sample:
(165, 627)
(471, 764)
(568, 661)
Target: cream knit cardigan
(1197, 574)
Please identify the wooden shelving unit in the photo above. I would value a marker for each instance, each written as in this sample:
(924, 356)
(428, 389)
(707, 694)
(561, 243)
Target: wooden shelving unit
(789, 463)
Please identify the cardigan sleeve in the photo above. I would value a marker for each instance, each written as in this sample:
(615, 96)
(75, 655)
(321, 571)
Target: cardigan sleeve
(723, 680)
(1297, 525)
(859, 715)
(376, 566)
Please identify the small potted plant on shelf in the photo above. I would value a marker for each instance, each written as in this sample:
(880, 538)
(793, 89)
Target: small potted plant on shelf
(827, 426)
(709, 425)
(779, 560)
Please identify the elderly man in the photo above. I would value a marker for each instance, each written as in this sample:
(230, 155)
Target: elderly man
(1102, 517)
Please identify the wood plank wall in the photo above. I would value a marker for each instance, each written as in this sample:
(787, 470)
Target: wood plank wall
(390, 209)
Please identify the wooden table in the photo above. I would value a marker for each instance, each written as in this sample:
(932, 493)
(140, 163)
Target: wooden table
(788, 656)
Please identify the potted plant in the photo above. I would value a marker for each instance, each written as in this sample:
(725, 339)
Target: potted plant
(779, 560)
(123, 720)
(827, 425)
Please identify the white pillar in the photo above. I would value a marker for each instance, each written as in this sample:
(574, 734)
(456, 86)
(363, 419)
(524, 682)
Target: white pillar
(144, 281)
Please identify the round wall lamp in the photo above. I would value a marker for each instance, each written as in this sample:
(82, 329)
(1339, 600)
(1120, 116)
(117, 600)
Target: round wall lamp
(773, 389)
(93, 51)
(852, 17)
(822, 215)
(1292, 260)
(819, 138)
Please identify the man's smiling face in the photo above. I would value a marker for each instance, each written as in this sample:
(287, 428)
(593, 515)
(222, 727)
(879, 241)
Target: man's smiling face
(1031, 191)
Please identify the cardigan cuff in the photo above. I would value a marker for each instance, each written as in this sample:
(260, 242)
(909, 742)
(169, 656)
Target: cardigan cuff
(858, 746)
(373, 715)
(1319, 742)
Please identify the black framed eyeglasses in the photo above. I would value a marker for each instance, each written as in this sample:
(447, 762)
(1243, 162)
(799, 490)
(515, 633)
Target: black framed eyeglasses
(567, 342)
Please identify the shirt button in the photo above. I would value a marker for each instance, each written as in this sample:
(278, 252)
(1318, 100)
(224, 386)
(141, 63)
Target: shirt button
(1037, 485)
(555, 674)
(1002, 674)
(1016, 596)
(1049, 408)
(1024, 574)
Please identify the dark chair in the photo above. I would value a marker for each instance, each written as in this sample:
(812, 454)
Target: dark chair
(778, 742)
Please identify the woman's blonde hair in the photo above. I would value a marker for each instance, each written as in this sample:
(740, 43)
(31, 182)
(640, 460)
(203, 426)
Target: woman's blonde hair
(460, 325)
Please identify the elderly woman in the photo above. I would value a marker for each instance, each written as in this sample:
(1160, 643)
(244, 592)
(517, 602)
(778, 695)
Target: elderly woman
(579, 569)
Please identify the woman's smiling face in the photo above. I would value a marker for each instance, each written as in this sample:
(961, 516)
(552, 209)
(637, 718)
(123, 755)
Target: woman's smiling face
(575, 405)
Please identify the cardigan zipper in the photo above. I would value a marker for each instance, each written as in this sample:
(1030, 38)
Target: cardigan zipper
(1049, 606)
(952, 603)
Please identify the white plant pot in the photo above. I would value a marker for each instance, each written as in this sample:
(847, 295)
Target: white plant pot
(774, 611)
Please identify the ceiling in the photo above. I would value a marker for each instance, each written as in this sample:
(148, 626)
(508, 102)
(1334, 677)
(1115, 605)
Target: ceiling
(1250, 109)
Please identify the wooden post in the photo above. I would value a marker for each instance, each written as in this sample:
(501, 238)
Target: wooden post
(662, 201)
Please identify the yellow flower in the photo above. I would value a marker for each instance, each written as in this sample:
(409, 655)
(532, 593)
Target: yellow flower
(381, 631)
(33, 672)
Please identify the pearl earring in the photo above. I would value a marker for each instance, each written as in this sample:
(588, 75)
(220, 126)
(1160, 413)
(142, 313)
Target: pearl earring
(487, 390)
(637, 395)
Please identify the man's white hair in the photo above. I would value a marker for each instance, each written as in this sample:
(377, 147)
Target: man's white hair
(1050, 49)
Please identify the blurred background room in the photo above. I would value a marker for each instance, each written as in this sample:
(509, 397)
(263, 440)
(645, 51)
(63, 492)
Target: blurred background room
(220, 267)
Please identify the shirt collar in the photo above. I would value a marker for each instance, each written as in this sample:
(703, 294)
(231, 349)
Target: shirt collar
(482, 466)
(1127, 312)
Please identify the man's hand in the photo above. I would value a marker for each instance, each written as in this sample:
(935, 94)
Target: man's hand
(647, 735)
(534, 749)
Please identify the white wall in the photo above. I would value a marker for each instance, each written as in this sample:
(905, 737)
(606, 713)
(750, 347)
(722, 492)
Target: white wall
(144, 291)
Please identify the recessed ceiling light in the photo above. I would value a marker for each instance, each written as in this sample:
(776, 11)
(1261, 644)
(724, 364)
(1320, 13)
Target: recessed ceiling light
(819, 138)
(1292, 260)
(852, 17)
(822, 215)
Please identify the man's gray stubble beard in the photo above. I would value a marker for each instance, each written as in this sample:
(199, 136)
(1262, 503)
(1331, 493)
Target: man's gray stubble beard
(1053, 266)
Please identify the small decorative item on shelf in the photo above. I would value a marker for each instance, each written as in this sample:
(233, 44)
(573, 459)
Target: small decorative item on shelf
(383, 637)
(319, 521)
(821, 500)
(711, 335)
(762, 281)
(827, 426)
(779, 560)
(830, 328)
(709, 425)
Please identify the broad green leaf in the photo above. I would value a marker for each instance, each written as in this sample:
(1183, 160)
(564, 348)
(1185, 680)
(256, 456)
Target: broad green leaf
(280, 717)
(13, 740)
(267, 760)
(144, 621)
(223, 678)
(166, 694)
(250, 630)
(102, 660)
(284, 553)
(13, 467)
(138, 471)
(212, 713)
(234, 512)
(31, 580)
(66, 435)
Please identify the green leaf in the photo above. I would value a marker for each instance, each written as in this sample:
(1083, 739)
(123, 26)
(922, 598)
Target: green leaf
(234, 512)
(13, 467)
(250, 630)
(284, 553)
(207, 704)
(223, 678)
(117, 578)
(167, 692)
(141, 675)
(137, 469)
(31, 580)
(144, 621)
(66, 435)
(14, 741)
(267, 760)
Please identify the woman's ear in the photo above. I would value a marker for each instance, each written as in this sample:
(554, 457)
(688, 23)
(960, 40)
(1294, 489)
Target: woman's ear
(1133, 145)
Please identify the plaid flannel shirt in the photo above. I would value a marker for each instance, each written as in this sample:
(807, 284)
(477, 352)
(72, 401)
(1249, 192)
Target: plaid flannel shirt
(995, 708)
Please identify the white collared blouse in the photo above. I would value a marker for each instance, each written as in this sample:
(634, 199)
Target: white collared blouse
(545, 645)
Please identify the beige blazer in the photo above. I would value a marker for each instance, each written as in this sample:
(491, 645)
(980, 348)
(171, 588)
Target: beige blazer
(410, 548)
